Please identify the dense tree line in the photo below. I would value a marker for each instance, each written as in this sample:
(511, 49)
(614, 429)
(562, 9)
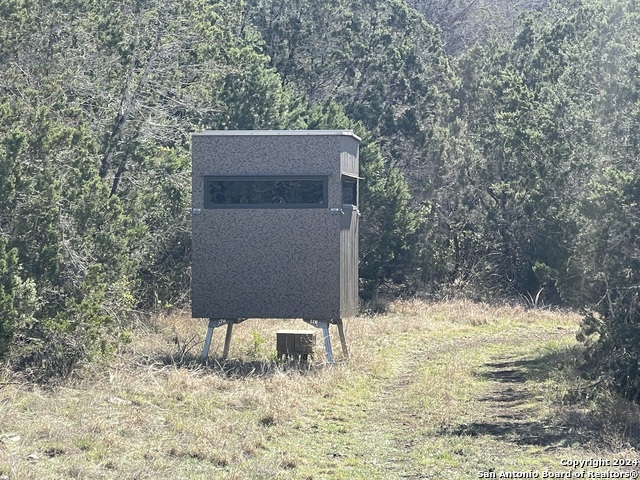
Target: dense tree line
(495, 165)
(545, 198)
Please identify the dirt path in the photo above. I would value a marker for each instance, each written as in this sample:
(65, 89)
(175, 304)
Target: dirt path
(514, 410)
(391, 426)
(504, 414)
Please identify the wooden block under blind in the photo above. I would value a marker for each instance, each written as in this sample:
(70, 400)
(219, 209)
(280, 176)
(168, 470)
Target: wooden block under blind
(298, 342)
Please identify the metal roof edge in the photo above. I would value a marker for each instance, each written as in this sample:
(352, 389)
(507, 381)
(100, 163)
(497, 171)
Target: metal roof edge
(266, 133)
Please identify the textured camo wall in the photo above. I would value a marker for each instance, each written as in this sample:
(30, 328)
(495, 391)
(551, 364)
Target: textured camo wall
(270, 263)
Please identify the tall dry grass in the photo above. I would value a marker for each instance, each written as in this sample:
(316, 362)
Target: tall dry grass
(155, 410)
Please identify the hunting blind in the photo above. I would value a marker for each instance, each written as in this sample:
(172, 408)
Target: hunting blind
(275, 228)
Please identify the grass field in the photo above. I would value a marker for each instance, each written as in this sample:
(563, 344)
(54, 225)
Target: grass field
(435, 391)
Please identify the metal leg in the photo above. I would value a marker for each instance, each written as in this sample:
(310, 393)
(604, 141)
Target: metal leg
(207, 341)
(327, 341)
(343, 339)
(213, 324)
(227, 340)
(324, 325)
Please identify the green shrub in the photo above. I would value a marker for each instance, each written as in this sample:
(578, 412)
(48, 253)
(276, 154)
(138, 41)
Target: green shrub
(9, 282)
(609, 252)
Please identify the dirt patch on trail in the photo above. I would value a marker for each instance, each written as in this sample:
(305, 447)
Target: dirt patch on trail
(514, 411)
(392, 424)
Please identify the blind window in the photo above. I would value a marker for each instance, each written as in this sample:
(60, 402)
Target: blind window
(265, 192)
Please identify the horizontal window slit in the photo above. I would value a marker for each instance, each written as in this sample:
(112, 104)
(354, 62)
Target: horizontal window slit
(266, 192)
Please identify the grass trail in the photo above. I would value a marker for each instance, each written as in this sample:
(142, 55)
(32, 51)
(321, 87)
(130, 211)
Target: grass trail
(442, 391)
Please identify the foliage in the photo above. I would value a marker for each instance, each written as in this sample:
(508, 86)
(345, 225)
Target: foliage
(610, 259)
(97, 107)
(510, 169)
(8, 286)
(541, 201)
(464, 23)
(607, 254)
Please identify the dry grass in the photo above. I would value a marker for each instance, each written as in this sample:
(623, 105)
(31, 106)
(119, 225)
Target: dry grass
(430, 391)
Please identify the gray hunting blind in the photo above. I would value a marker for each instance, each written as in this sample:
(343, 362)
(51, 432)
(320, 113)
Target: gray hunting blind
(275, 228)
